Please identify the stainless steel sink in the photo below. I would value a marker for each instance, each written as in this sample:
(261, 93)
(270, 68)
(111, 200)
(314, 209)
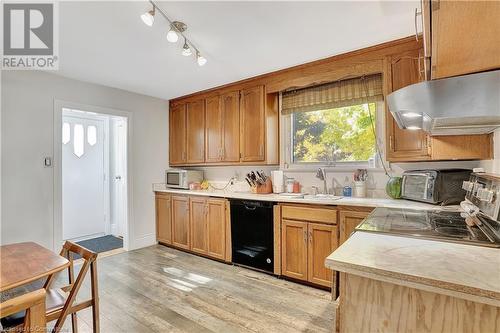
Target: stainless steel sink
(322, 197)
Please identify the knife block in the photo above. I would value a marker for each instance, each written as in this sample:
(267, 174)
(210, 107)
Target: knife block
(263, 189)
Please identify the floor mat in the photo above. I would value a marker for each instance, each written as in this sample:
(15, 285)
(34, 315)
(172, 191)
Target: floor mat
(101, 244)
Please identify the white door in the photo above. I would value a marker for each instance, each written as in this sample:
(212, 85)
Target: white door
(83, 181)
(119, 178)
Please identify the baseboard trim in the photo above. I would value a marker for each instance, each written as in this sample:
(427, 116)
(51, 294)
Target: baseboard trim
(143, 241)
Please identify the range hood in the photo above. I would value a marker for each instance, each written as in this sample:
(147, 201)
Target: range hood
(468, 104)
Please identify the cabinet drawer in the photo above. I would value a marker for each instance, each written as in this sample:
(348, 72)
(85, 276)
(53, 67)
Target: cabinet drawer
(305, 213)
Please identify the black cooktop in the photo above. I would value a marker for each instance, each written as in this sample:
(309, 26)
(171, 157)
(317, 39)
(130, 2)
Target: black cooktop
(441, 225)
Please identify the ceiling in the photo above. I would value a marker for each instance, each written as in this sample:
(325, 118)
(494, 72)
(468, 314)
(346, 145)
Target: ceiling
(107, 43)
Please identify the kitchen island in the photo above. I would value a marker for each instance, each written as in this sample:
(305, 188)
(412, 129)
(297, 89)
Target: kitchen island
(399, 284)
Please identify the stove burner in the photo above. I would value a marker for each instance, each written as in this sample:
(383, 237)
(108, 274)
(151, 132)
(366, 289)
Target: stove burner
(453, 232)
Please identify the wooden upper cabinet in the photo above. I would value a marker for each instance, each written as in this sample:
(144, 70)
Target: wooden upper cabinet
(177, 145)
(198, 224)
(294, 237)
(404, 145)
(252, 124)
(231, 126)
(322, 242)
(465, 37)
(195, 131)
(216, 228)
(213, 130)
(180, 222)
(163, 218)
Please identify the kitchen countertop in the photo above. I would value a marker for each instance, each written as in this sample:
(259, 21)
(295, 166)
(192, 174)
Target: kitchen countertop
(345, 201)
(458, 270)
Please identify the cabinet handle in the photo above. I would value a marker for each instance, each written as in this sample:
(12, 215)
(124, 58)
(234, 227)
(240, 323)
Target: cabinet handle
(390, 142)
(310, 236)
(417, 13)
(305, 236)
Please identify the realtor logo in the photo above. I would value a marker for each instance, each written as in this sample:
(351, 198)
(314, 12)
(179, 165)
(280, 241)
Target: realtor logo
(29, 36)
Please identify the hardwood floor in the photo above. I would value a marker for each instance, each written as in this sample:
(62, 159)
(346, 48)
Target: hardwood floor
(159, 289)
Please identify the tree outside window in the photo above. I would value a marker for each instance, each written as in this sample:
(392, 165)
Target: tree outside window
(334, 135)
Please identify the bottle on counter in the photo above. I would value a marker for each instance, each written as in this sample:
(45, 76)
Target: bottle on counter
(289, 185)
(347, 189)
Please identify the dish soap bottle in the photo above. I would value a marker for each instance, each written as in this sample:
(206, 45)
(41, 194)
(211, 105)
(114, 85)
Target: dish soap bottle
(347, 189)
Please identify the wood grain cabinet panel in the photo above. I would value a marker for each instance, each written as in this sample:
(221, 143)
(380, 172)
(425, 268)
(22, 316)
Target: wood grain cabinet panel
(177, 125)
(216, 228)
(180, 222)
(462, 147)
(252, 125)
(322, 242)
(195, 131)
(405, 145)
(231, 126)
(163, 219)
(348, 221)
(465, 37)
(213, 130)
(198, 224)
(294, 249)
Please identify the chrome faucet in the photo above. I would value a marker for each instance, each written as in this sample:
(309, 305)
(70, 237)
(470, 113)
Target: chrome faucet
(321, 174)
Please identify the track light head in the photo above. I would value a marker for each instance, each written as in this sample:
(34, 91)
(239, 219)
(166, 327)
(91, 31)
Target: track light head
(201, 60)
(186, 50)
(149, 17)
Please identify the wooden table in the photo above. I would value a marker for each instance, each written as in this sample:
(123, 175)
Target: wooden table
(23, 263)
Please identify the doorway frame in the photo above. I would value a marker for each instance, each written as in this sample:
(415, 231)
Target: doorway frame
(57, 166)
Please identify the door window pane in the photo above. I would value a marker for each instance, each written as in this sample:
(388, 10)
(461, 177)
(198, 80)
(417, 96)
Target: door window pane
(78, 144)
(66, 133)
(91, 135)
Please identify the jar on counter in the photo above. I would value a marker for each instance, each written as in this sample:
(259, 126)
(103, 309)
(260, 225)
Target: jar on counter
(289, 185)
(296, 187)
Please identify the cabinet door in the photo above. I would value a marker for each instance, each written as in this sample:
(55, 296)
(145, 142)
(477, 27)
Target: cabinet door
(252, 124)
(216, 221)
(349, 220)
(163, 219)
(180, 222)
(322, 242)
(195, 131)
(465, 37)
(231, 126)
(405, 145)
(294, 249)
(177, 144)
(198, 220)
(213, 129)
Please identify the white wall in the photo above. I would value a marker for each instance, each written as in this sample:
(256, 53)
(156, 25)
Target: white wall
(27, 131)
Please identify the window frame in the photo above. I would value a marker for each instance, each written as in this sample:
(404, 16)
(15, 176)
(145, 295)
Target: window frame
(286, 153)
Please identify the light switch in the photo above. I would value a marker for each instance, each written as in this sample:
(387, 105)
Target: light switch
(47, 162)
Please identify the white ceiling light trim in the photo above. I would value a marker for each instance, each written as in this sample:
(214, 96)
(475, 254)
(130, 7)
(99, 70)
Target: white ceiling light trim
(176, 28)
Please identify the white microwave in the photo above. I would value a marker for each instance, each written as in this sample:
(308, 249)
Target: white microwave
(179, 178)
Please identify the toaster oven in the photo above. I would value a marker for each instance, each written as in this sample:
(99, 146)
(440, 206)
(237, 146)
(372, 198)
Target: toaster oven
(180, 178)
(435, 186)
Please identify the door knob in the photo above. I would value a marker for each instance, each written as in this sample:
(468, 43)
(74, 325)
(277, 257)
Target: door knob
(118, 177)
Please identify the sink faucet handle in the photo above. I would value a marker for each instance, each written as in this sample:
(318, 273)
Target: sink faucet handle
(315, 190)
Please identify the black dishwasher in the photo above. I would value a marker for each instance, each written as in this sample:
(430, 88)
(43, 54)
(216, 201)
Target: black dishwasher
(252, 234)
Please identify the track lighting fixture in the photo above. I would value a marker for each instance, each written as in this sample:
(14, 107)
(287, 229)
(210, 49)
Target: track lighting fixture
(200, 59)
(177, 29)
(186, 50)
(149, 17)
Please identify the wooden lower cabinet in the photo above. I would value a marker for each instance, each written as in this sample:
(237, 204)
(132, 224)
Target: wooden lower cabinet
(322, 242)
(163, 218)
(198, 221)
(294, 249)
(306, 244)
(180, 222)
(348, 221)
(216, 228)
(193, 223)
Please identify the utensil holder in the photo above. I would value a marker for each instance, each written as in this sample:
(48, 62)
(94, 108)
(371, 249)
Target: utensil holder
(266, 188)
(359, 189)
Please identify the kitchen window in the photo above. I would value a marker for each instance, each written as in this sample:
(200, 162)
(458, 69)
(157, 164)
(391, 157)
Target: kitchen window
(333, 124)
